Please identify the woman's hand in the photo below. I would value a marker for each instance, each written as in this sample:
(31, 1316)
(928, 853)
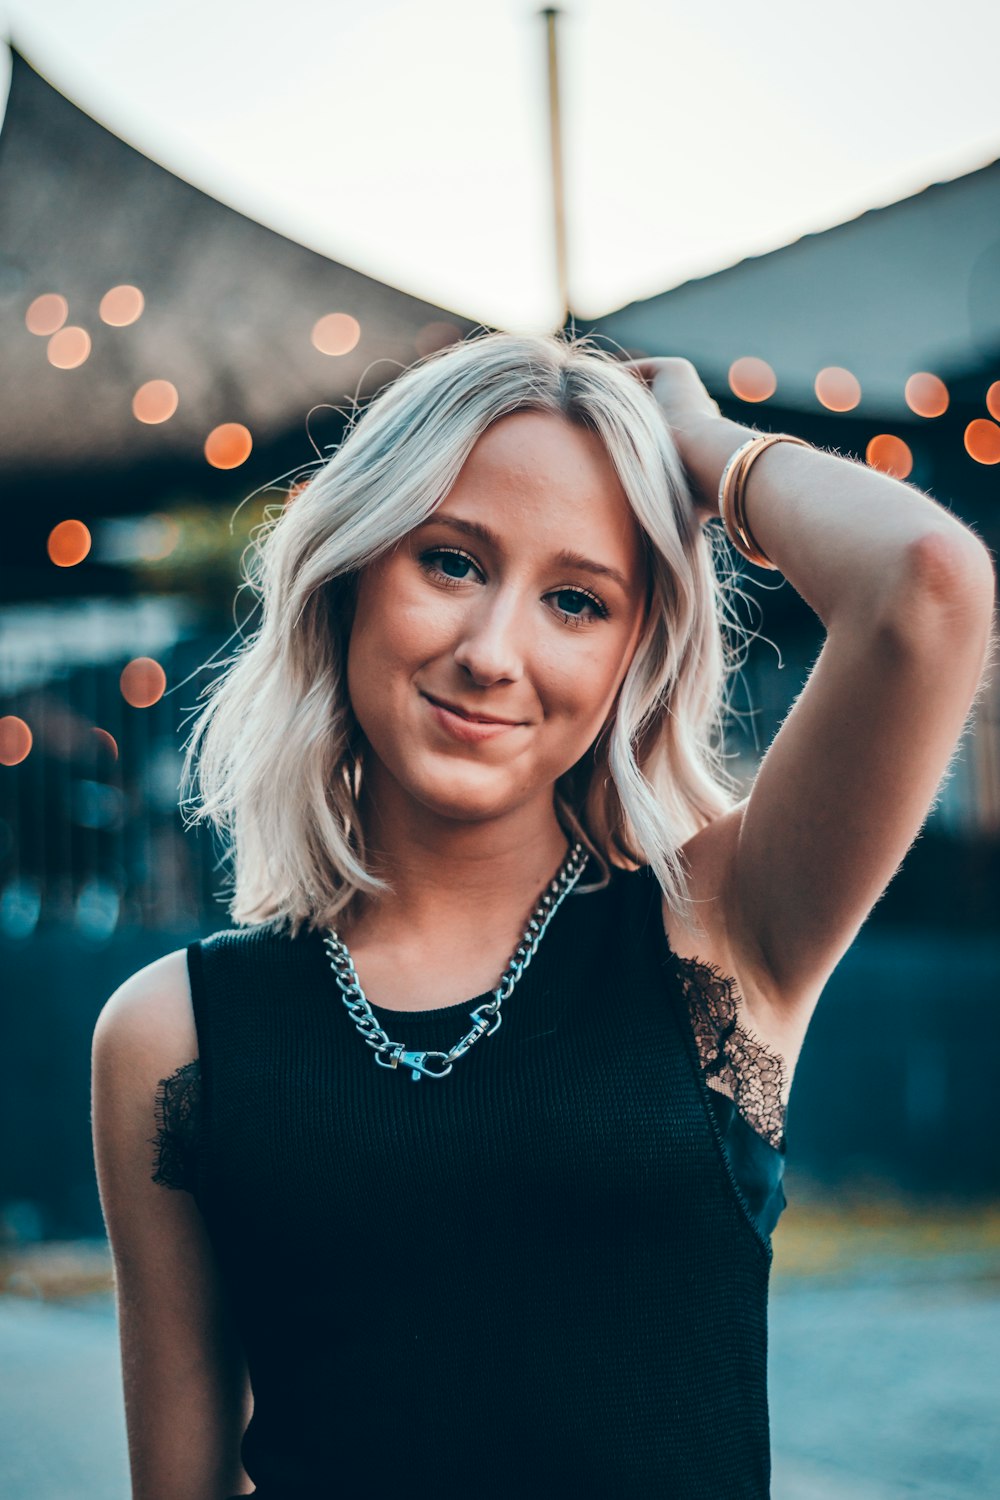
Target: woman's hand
(687, 408)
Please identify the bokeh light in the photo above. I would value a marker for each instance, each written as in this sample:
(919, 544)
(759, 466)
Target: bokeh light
(982, 441)
(106, 741)
(160, 536)
(69, 347)
(15, 740)
(837, 389)
(752, 379)
(926, 394)
(337, 333)
(143, 682)
(890, 455)
(436, 335)
(993, 400)
(46, 314)
(228, 445)
(122, 305)
(156, 401)
(68, 543)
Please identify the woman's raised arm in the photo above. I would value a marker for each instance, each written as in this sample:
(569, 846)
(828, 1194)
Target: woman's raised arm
(906, 593)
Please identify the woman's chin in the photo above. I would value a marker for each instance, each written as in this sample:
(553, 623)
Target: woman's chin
(464, 798)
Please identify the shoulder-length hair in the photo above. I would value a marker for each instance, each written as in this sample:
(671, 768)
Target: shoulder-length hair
(280, 757)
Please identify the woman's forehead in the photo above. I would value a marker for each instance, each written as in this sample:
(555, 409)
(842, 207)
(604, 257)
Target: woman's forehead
(535, 476)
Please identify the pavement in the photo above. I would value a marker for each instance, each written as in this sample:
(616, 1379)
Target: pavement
(884, 1360)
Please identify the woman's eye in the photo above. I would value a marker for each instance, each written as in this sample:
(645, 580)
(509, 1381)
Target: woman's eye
(577, 607)
(454, 565)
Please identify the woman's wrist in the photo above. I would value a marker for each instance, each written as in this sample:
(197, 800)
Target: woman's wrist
(705, 446)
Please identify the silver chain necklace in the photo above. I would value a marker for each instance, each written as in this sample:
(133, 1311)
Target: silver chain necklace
(486, 1017)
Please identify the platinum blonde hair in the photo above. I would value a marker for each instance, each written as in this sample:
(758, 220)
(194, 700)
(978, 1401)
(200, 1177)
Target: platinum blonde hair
(275, 759)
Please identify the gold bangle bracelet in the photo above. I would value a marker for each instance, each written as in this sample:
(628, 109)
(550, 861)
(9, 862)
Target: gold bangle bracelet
(732, 515)
(734, 509)
(733, 497)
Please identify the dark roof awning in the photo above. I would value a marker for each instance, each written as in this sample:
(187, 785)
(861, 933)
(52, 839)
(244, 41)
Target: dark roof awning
(914, 286)
(229, 304)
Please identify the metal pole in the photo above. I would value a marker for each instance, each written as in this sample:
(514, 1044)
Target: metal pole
(558, 185)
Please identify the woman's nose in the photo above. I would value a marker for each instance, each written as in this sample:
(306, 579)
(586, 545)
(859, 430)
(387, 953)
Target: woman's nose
(490, 648)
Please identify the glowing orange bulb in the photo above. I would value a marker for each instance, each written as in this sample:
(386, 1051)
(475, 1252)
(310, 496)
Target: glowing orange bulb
(156, 401)
(926, 394)
(68, 348)
(228, 445)
(46, 314)
(837, 389)
(890, 455)
(106, 741)
(143, 682)
(15, 740)
(993, 400)
(982, 441)
(68, 543)
(752, 379)
(337, 333)
(122, 306)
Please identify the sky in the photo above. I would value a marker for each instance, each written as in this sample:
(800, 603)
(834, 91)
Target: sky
(410, 138)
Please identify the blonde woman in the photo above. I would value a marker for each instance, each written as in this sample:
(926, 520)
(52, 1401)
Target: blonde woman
(474, 1117)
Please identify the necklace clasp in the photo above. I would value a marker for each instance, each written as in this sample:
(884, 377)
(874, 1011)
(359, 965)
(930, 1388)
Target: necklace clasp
(417, 1061)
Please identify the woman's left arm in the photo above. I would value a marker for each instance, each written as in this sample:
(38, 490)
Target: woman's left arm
(906, 593)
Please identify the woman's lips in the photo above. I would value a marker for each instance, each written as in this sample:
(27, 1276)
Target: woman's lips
(461, 728)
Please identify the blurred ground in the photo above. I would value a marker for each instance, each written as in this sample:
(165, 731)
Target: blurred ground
(883, 1363)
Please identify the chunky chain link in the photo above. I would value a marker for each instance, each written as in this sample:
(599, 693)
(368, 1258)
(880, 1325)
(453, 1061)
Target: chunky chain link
(486, 1017)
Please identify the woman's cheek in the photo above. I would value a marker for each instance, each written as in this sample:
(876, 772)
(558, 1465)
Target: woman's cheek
(426, 625)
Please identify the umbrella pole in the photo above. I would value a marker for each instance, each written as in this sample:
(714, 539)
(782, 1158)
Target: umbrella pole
(558, 185)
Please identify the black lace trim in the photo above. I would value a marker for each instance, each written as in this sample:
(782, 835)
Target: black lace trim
(176, 1111)
(749, 1072)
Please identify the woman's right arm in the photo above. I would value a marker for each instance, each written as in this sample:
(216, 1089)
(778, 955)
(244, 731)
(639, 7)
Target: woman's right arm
(186, 1388)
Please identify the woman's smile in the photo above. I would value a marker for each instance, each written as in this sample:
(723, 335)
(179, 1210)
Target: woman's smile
(466, 726)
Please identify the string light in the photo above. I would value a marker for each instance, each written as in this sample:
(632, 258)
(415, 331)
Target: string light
(69, 347)
(228, 445)
(122, 305)
(337, 333)
(46, 314)
(154, 402)
(752, 379)
(68, 543)
(926, 394)
(890, 455)
(837, 389)
(15, 740)
(142, 682)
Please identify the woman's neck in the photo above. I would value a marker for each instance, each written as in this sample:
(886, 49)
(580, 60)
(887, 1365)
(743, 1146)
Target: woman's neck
(435, 864)
(460, 897)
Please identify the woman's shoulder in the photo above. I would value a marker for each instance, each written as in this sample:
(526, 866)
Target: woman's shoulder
(150, 1014)
(145, 1034)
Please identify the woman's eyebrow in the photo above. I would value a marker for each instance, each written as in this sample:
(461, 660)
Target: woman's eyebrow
(564, 558)
(587, 565)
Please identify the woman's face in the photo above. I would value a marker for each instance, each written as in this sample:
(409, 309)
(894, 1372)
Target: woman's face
(488, 646)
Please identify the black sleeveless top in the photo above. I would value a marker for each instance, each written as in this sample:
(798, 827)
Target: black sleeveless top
(544, 1273)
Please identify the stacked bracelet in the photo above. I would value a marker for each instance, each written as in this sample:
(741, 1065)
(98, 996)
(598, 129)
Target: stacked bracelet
(732, 494)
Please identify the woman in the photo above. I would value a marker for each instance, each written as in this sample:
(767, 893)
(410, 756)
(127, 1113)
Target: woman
(532, 1257)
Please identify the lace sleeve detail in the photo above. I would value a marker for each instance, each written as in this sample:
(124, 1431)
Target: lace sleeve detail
(176, 1112)
(735, 1062)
